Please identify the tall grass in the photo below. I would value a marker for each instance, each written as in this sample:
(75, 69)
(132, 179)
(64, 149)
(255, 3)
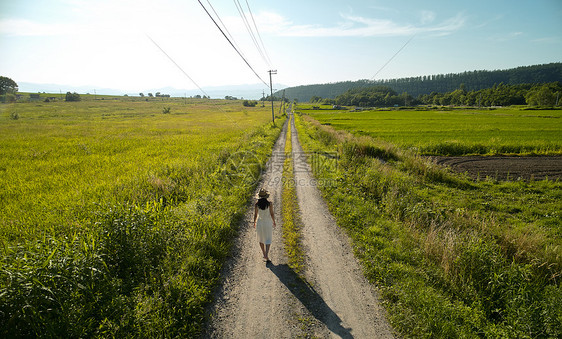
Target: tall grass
(116, 218)
(452, 258)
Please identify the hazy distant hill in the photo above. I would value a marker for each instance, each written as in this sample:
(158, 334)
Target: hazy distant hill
(472, 80)
(251, 91)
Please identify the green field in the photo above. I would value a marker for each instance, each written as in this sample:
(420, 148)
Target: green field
(115, 216)
(454, 131)
(452, 257)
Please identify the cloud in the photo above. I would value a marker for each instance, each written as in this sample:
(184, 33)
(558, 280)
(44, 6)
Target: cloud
(358, 26)
(24, 27)
(385, 9)
(427, 17)
(103, 17)
(548, 40)
(446, 27)
(506, 37)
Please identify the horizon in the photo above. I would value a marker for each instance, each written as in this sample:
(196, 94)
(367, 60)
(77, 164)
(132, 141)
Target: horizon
(132, 46)
(85, 89)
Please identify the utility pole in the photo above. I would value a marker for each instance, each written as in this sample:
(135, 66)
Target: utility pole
(262, 98)
(271, 91)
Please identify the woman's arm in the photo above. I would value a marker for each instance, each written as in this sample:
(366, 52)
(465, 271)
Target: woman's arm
(272, 214)
(255, 215)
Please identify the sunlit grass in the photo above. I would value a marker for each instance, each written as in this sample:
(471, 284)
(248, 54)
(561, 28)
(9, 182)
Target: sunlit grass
(60, 158)
(115, 217)
(455, 132)
(451, 257)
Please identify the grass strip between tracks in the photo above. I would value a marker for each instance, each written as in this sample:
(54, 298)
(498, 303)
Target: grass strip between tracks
(290, 211)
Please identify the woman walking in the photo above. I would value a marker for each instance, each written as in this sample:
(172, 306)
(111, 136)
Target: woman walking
(263, 215)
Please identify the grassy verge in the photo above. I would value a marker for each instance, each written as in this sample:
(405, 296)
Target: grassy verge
(290, 211)
(116, 218)
(452, 257)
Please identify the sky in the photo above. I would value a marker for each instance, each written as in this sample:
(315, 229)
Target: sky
(134, 45)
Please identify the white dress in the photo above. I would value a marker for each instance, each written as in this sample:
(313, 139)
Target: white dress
(264, 226)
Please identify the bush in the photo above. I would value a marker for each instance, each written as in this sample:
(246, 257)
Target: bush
(8, 98)
(250, 103)
(72, 96)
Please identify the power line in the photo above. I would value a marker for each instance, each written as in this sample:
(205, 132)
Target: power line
(261, 50)
(178, 66)
(248, 28)
(187, 75)
(259, 35)
(223, 25)
(395, 54)
(231, 44)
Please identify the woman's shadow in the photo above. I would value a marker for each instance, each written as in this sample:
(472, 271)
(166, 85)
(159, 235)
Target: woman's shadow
(313, 302)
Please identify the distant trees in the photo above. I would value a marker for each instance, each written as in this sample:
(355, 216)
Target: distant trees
(268, 98)
(498, 95)
(315, 99)
(543, 96)
(157, 95)
(7, 85)
(373, 96)
(72, 96)
(439, 83)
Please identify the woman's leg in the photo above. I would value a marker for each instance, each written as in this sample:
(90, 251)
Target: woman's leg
(266, 254)
(262, 246)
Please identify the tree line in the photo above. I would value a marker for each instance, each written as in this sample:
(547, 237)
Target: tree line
(545, 95)
(439, 83)
(158, 95)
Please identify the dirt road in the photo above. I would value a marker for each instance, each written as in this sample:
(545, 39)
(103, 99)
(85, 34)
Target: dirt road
(259, 300)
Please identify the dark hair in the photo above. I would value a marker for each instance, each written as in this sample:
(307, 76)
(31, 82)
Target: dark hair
(263, 203)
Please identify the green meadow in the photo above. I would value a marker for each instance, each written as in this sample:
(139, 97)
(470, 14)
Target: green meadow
(117, 213)
(451, 257)
(458, 131)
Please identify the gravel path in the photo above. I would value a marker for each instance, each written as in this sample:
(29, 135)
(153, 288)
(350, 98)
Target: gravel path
(269, 300)
(253, 301)
(349, 306)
